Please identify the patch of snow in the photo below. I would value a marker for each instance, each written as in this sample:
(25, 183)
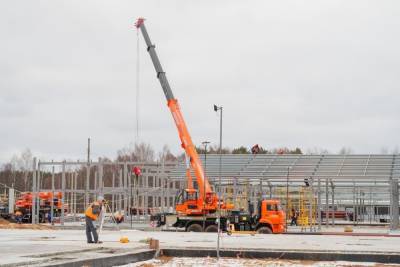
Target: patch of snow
(233, 262)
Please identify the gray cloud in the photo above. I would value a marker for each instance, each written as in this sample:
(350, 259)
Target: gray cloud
(308, 74)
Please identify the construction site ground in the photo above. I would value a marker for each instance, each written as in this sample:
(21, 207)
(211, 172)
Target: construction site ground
(40, 247)
(235, 262)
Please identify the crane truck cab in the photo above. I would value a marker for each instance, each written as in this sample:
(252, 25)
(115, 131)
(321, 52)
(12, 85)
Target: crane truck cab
(270, 218)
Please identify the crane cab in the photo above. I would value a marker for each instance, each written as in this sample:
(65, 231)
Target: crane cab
(188, 202)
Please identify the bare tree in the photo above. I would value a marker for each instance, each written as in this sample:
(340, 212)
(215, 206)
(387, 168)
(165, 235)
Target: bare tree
(345, 151)
(166, 155)
(144, 152)
(384, 150)
(136, 152)
(317, 151)
(23, 163)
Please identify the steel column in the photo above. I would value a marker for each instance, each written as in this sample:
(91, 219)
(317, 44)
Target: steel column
(34, 195)
(327, 202)
(62, 194)
(319, 205)
(394, 204)
(52, 193)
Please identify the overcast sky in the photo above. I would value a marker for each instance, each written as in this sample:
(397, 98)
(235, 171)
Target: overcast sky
(288, 73)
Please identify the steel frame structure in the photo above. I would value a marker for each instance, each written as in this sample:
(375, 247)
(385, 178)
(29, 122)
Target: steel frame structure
(152, 189)
(368, 184)
(364, 183)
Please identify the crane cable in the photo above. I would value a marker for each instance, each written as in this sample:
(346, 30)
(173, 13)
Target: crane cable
(137, 88)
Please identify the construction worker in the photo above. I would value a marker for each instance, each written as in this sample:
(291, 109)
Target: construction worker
(255, 149)
(295, 215)
(119, 217)
(49, 219)
(18, 216)
(92, 214)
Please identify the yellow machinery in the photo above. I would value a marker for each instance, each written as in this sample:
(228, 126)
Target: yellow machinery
(307, 201)
(299, 199)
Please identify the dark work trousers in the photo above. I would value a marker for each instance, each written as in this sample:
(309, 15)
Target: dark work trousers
(91, 230)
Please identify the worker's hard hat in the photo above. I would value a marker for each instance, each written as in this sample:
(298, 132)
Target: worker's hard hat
(100, 198)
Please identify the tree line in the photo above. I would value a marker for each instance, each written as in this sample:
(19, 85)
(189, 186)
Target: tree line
(18, 171)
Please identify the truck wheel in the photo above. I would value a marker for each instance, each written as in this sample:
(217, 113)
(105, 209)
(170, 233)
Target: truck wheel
(212, 229)
(194, 228)
(264, 230)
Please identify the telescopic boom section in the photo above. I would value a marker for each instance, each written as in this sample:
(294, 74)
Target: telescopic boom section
(173, 105)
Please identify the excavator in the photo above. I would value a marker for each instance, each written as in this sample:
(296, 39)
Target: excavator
(196, 208)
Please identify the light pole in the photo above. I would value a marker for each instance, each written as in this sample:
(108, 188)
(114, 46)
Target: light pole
(205, 143)
(216, 108)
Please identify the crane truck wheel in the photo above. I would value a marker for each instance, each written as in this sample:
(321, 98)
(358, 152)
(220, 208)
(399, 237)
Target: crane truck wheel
(264, 230)
(194, 228)
(212, 229)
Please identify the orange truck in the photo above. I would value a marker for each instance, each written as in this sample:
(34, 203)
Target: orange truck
(269, 218)
(24, 204)
(196, 209)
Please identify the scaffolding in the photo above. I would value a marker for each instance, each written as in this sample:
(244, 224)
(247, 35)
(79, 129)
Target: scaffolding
(307, 208)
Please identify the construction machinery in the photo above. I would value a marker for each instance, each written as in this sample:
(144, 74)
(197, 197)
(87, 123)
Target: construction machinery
(196, 208)
(24, 204)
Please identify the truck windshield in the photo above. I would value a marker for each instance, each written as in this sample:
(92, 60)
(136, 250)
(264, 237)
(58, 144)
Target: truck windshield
(278, 207)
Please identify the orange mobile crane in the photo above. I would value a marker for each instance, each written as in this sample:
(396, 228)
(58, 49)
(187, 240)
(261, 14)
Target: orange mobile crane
(195, 208)
(24, 204)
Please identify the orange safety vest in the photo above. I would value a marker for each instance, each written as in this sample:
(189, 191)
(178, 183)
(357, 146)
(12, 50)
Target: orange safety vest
(89, 211)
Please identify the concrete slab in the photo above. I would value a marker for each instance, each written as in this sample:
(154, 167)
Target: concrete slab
(18, 246)
(146, 226)
(29, 247)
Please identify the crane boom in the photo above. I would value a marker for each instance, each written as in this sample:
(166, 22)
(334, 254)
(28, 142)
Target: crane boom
(172, 102)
